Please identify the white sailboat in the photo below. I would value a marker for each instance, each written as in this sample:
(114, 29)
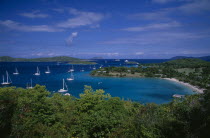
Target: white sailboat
(16, 72)
(82, 70)
(63, 89)
(72, 77)
(37, 72)
(94, 67)
(72, 69)
(48, 70)
(8, 81)
(29, 86)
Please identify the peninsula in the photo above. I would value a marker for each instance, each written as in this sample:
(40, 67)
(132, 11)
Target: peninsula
(193, 73)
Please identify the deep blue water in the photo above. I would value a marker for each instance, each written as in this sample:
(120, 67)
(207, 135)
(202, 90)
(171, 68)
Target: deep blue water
(144, 90)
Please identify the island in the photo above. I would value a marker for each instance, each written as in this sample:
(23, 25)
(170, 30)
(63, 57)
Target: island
(67, 59)
(191, 72)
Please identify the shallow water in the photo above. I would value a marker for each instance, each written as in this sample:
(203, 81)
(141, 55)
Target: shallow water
(144, 90)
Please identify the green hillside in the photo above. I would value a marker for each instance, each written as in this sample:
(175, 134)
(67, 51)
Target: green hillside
(189, 62)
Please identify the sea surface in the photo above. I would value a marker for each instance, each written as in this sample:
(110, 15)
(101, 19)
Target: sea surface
(143, 90)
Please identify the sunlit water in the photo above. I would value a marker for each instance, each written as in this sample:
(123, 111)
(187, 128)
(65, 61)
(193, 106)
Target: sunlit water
(143, 90)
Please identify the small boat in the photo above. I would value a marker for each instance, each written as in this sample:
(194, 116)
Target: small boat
(63, 89)
(126, 60)
(48, 70)
(94, 67)
(67, 94)
(8, 81)
(178, 96)
(71, 78)
(82, 70)
(37, 72)
(29, 86)
(16, 72)
(72, 69)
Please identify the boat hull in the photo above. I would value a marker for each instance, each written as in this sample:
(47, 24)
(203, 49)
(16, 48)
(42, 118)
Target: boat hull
(62, 90)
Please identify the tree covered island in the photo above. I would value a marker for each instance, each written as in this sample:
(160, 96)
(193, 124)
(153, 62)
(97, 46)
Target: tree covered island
(66, 59)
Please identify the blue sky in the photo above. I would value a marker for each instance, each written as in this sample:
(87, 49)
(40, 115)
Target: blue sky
(105, 28)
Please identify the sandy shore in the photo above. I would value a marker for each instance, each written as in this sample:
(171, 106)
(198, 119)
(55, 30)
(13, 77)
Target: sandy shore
(186, 84)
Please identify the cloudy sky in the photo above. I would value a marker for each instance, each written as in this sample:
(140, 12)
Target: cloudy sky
(105, 28)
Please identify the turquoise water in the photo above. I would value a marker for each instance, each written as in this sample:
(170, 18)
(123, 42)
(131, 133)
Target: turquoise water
(143, 90)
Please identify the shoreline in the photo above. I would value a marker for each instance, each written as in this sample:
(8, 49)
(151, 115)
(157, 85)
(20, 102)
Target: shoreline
(195, 88)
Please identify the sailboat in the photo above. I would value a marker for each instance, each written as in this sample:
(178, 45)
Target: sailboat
(72, 69)
(63, 89)
(8, 81)
(48, 70)
(37, 72)
(16, 72)
(29, 86)
(94, 67)
(71, 78)
(82, 70)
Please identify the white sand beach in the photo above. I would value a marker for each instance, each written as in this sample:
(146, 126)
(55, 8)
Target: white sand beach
(195, 88)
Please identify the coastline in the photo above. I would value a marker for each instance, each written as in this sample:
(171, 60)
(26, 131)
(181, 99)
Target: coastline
(198, 90)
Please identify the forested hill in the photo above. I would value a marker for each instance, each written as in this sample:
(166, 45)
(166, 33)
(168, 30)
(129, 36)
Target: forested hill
(206, 58)
(47, 59)
(188, 62)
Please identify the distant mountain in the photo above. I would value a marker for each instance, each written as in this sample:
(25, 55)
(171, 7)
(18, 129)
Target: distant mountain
(47, 59)
(207, 58)
(187, 62)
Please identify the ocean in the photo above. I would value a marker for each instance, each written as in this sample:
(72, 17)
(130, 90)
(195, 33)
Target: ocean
(143, 90)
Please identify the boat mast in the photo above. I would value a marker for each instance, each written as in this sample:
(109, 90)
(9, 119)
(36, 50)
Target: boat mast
(7, 77)
(31, 82)
(63, 83)
(3, 78)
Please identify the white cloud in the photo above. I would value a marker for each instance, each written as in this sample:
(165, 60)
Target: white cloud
(190, 7)
(153, 38)
(197, 6)
(167, 1)
(81, 19)
(139, 53)
(69, 40)
(153, 26)
(34, 14)
(28, 28)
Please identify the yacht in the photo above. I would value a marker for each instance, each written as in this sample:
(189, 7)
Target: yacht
(48, 70)
(72, 77)
(8, 80)
(16, 72)
(29, 86)
(37, 72)
(65, 88)
(72, 69)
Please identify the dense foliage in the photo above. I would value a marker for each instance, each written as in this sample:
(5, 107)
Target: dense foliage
(33, 113)
(47, 59)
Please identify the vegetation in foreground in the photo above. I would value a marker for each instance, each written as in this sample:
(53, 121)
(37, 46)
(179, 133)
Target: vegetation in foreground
(193, 71)
(70, 60)
(34, 113)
